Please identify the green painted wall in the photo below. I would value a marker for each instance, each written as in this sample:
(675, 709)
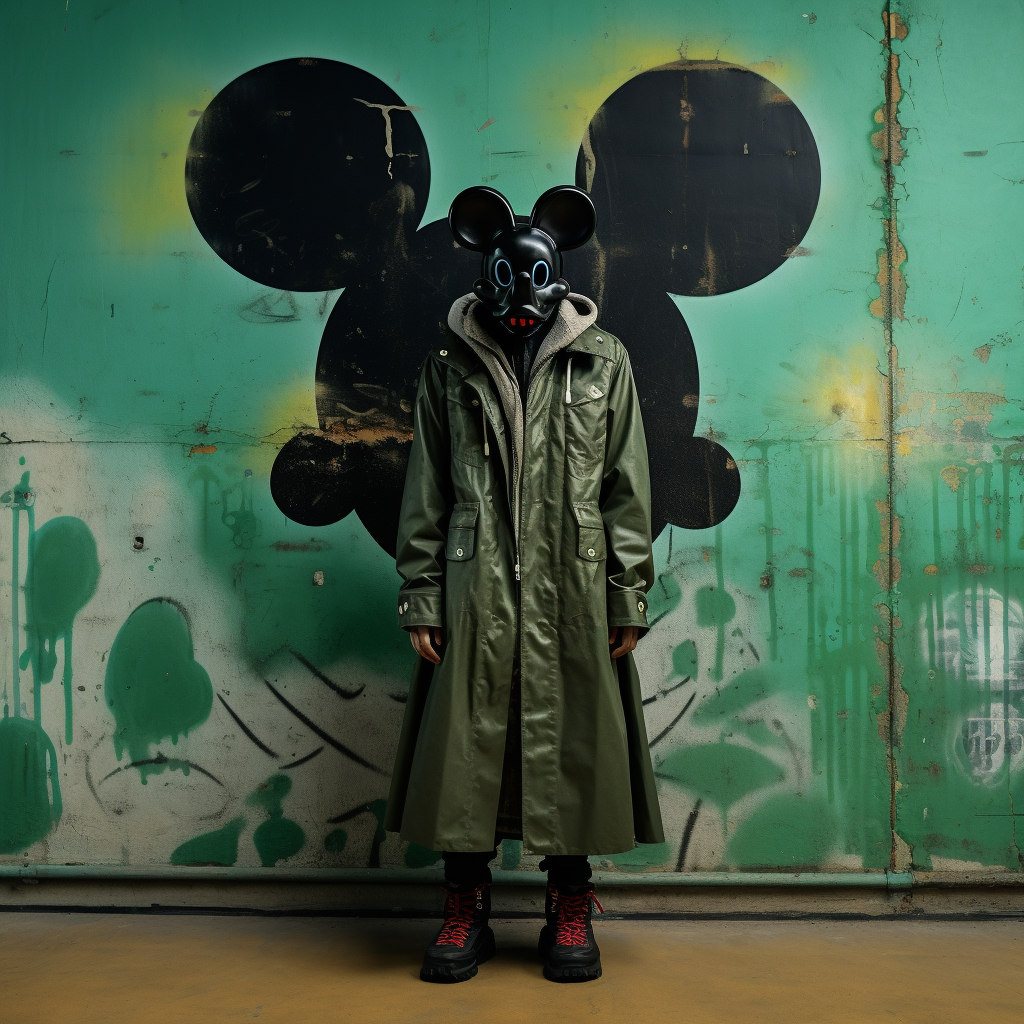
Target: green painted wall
(854, 631)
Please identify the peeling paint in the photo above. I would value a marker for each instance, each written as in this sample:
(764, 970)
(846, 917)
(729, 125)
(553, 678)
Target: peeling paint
(891, 303)
(888, 140)
(902, 854)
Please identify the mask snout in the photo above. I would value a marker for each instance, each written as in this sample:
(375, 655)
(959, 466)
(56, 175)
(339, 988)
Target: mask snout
(524, 295)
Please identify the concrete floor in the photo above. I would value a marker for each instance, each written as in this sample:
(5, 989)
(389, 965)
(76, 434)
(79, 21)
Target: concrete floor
(147, 969)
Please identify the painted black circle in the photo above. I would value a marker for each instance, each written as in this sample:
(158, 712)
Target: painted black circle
(297, 168)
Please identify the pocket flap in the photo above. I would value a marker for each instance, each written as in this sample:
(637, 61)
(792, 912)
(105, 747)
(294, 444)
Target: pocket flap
(464, 515)
(588, 515)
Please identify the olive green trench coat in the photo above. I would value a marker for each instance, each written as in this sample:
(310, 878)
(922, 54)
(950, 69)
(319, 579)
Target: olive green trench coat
(531, 531)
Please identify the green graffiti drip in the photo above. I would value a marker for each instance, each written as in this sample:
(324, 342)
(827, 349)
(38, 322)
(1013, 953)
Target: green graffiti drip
(684, 661)
(206, 476)
(18, 499)
(334, 842)
(217, 849)
(799, 831)
(716, 607)
(27, 759)
(643, 858)
(417, 856)
(154, 686)
(721, 773)
(244, 524)
(278, 838)
(768, 580)
(63, 573)
(511, 854)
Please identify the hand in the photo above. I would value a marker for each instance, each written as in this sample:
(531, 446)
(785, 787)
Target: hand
(629, 638)
(420, 637)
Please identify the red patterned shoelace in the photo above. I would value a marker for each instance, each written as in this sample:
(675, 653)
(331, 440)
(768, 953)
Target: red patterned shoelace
(458, 916)
(571, 927)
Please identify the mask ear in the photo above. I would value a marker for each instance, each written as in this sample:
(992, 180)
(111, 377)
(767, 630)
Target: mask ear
(567, 215)
(477, 215)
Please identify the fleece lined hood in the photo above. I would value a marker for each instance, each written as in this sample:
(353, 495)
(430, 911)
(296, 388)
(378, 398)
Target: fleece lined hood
(575, 314)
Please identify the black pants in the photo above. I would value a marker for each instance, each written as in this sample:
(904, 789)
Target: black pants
(465, 870)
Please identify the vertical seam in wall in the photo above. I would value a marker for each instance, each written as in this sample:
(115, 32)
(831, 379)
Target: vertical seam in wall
(891, 126)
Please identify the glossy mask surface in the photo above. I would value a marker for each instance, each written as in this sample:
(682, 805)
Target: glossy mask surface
(521, 284)
(522, 280)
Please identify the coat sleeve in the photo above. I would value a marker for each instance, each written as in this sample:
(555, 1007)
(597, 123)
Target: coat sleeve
(426, 506)
(626, 504)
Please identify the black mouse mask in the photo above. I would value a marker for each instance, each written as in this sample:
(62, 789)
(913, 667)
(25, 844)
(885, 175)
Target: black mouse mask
(522, 281)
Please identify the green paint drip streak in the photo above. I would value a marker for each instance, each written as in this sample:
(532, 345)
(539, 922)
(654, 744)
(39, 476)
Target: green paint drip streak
(1005, 512)
(66, 681)
(769, 557)
(720, 585)
(279, 837)
(15, 623)
(28, 770)
(812, 667)
(63, 573)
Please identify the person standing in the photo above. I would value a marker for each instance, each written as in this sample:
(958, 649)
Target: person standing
(524, 546)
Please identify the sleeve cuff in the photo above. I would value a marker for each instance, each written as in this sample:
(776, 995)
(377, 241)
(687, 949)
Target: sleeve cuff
(420, 608)
(627, 608)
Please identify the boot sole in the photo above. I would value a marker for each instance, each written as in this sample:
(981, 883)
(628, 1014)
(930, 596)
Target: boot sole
(568, 975)
(444, 974)
(571, 973)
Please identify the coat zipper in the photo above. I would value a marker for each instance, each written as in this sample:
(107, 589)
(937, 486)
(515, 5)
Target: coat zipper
(568, 382)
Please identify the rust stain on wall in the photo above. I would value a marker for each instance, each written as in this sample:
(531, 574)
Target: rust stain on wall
(951, 476)
(891, 301)
(951, 417)
(887, 568)
(888, 140)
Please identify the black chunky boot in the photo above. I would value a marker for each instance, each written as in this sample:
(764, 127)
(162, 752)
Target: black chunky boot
(465, 940)
(567, 942)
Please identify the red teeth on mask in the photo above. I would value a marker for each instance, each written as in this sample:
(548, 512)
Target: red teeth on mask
(531, 323)
(522, 323)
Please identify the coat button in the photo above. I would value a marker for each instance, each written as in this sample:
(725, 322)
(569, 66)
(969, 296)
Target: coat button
(476, 402)
(458, 551)
(591, 552)
(444, 351)
(640, 605)
(600, 341)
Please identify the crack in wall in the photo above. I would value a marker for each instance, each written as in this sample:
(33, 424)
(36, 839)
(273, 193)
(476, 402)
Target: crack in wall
(385, 109)
(889, 306)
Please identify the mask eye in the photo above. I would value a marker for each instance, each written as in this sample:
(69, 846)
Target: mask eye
(503, 273)
(541, 273)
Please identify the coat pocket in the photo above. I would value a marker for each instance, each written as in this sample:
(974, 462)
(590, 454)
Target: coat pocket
(590, 528)
(462, 532)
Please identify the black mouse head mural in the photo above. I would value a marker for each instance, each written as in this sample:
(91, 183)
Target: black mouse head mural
(522, 281)
(312, 175)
